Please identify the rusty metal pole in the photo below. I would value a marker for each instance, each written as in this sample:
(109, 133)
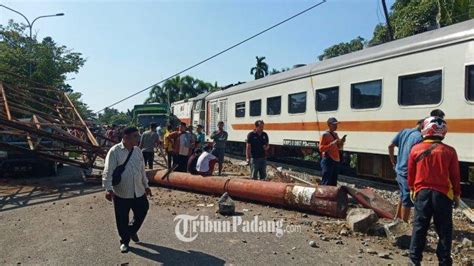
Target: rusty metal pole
(325, 200)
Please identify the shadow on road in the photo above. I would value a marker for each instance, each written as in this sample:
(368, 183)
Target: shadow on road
(18, 193)
(169, 256)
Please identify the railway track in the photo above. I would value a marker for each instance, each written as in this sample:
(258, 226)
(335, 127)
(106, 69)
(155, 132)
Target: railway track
(348, 176)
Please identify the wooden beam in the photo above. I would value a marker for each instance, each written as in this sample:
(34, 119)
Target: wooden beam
(89, 133)
(4, 96)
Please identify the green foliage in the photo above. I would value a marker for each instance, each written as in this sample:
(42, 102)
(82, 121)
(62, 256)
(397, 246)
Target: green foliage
(353, 162)
(112, 116)
(381, 35)
(407, 18)
(260, 70)
(81, 107)
(410, 17)
(343, 48)
(179, 88)
(313, 157)
(276, 71)
(49, 61)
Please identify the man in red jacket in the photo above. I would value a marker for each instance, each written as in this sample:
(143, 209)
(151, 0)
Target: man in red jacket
(434, 182)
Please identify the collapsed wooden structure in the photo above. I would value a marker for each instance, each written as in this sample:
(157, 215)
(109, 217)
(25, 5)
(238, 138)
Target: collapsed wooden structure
(44, 122)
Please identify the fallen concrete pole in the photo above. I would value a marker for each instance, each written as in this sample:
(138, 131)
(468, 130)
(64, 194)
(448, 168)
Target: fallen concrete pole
(369, 199)
(324, 200)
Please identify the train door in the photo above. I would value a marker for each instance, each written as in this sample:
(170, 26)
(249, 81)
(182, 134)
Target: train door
(217, 112)
(198, 113)
(223, 112)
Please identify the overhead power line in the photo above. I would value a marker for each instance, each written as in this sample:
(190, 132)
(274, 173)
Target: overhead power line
(215, 55)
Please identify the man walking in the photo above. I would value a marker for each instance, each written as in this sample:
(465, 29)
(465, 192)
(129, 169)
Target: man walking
(183, 144)
(149, 140)
(219, 138)
(404, 140)
(132, 190)
(434, 181)
(257, 147)
(330, 146)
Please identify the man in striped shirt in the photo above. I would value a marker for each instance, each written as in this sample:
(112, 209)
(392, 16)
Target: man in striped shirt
(132, 191)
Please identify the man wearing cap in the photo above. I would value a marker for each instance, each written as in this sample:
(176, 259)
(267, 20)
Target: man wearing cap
(330, 145)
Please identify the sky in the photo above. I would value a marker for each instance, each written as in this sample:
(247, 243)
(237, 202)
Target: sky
(130, 45)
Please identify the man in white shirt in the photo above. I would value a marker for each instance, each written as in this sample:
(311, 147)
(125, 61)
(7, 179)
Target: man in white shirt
(132, 190)
(206, 162)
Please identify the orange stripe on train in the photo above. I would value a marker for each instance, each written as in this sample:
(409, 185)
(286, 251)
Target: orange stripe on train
(454, 125)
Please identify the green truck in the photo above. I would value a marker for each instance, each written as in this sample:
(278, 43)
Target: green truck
(144, 114)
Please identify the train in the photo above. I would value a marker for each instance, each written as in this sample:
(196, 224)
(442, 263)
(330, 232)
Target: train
(374, 93)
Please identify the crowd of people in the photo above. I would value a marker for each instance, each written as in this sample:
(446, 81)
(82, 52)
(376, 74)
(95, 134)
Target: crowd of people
(427, 171)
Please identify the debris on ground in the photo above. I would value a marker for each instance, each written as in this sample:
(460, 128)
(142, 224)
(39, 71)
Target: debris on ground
(226, 205)
(360, 219)
(399, 233)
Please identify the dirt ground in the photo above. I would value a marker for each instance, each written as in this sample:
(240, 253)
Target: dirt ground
(61, 220)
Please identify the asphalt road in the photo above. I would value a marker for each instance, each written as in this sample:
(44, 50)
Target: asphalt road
(60, 221)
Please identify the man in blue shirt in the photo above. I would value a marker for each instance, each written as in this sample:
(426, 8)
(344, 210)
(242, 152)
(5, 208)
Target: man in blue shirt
(404, 141)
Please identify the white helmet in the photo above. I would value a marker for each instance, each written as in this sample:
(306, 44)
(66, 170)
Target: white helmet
(434, 127)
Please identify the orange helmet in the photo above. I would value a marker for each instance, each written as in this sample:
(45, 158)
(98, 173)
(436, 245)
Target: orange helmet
(434, 127)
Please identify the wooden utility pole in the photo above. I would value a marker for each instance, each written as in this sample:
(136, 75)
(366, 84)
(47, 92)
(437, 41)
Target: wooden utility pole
(385, 11)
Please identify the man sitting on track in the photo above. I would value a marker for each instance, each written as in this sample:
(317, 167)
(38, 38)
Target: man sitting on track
(192, 161)
(206, 162)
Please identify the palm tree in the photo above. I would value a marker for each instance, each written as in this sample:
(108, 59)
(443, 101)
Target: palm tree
(157, 95)
(260, 70)
(179, 88)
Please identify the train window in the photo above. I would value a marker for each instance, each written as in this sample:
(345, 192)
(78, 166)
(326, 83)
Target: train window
(240, 109)
(297, 103)
(327, 99)
(366, 95)
(470, 83)
(274, 105)
(418, 89)
(255, 108)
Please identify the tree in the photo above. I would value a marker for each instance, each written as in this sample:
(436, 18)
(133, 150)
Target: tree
(260, 70)
(50, 62)
(410, 17)
(342, 48)
(276, 71)
(111, 116)
(81, 107)
(179, 88)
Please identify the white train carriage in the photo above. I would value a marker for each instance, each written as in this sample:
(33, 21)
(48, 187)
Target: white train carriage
(191, 111)
(374, 93)
(183, 110)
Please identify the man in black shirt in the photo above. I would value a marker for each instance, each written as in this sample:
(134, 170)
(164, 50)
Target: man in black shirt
(257, 147)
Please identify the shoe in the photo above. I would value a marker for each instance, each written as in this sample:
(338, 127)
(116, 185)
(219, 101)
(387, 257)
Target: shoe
(124, 248)
(135, 238)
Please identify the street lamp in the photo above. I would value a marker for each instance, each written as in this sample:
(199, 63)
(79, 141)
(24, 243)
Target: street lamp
(30, 25)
